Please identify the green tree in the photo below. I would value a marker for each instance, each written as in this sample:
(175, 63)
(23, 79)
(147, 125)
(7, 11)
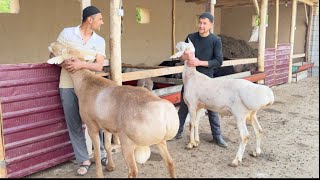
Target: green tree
(4, 6)
(138, 15)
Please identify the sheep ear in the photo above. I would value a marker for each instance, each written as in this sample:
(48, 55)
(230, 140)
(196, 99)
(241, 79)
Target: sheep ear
(55, 60)
(176, 55)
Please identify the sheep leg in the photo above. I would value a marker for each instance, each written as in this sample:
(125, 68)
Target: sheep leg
(258, 131)
(197, 139)
(128, 148)
(107, 146)
(167, 158)
(94, 135)
(244, 134)
(116, 139)
(192, 129)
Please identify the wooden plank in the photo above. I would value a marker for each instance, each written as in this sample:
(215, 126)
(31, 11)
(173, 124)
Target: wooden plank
(308, 2)
(129, 76)
(298, 56)
(3, 169)
(167, 90)
(141, 67)
(115, 42)
(239, 61)
(292, 33)
(235, 76)
(151, 73)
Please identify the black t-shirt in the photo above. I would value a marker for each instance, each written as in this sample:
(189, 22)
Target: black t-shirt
(207, 49)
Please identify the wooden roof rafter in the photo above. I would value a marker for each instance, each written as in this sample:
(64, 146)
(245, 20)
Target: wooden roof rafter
(242, 3)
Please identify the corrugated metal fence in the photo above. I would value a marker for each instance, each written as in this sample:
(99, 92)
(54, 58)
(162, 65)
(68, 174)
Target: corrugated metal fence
(34, 134)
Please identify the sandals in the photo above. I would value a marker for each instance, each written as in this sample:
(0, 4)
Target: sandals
(85, 169)
(104, 161)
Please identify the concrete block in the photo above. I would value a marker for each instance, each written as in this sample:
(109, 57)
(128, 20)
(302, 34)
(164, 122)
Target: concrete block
(299, 76)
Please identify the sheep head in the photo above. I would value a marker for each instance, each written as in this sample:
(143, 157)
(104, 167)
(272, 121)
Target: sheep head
(63, 51)
(183, 46)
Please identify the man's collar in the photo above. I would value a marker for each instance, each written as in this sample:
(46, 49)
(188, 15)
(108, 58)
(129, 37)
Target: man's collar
(78, 33)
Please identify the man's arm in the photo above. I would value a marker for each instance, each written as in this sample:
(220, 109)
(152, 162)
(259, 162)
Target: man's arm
(217, 55)
(76, 64)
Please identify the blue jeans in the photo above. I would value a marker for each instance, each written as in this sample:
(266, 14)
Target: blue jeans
(214, 119)
(70, 105)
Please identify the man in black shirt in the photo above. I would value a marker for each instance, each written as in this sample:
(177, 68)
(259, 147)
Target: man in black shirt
(208, 56)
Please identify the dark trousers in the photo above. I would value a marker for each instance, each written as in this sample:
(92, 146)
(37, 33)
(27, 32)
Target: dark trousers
(214, 119)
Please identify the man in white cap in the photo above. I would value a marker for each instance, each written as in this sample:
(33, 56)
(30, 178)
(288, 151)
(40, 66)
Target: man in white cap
(82, 37)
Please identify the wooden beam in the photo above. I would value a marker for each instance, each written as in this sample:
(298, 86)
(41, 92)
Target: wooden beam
(262, 35)
(3, 168)
(308, 2)
(151, 73)
(167, 90)
(212, 6)
(173, 46)
(141, 67)
(256, 5)
(115, 42)
(239, 61)
(276, 33)
(309, 33)
(292, 33)
(129, 76)
(298, 56)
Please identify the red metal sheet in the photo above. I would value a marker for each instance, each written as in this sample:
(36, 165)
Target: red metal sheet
(34, 129)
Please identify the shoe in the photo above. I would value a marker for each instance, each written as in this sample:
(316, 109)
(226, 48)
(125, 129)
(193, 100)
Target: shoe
(178, 136)
(104, 161)
(85, 169)
(219, 140)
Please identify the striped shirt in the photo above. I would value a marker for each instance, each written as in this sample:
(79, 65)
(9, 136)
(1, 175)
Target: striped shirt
(72, 36)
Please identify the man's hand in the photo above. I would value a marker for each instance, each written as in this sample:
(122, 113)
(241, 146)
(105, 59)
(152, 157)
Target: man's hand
(72, 65)
(187, 55)
(194, 62)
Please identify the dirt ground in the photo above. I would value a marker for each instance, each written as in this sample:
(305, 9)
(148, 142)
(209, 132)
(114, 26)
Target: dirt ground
(290, 145)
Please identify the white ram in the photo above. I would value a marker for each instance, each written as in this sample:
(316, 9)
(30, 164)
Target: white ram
(237, 97)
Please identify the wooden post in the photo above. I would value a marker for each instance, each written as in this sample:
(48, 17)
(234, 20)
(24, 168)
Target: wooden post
(292, 31)
(256, 6)
(262, 34)
(115, 42)
(84, 4)
(173, 49)
(309, 33)
(115, 47)
(212, 6)
(3, 169)
(276, 33)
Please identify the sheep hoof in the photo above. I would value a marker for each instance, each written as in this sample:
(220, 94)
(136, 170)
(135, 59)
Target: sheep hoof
(189, 146)
(234, 163)
(253, 154)
(196, 144)
(110, 168)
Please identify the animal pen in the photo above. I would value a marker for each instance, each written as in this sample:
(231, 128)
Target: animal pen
(33, 131)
